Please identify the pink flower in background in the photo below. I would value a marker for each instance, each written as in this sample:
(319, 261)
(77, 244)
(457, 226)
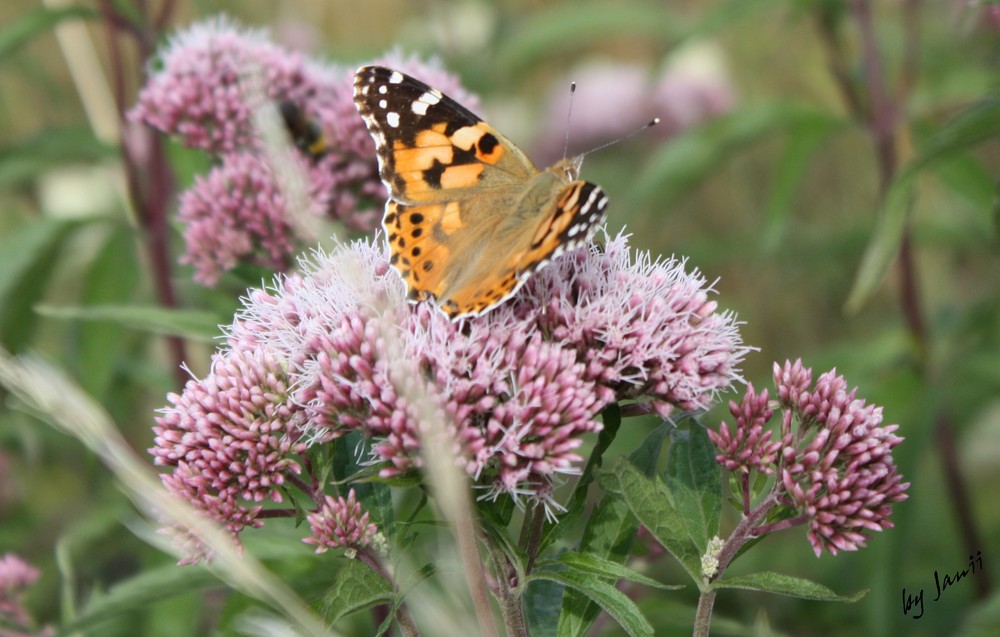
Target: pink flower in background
(16, 575)
(614, 98)
(205, 88)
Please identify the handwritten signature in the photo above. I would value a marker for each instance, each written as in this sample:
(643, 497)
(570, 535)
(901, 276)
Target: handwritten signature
(915, 602)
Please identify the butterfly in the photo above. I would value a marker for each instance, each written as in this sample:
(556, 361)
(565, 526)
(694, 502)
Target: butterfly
(469, 217)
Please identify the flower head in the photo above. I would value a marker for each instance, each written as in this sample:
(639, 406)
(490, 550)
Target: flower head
(323, 352)
(16, 575)
(232, 438)
(748, 447)
(206, 87)
(340, 523)
(836, 468)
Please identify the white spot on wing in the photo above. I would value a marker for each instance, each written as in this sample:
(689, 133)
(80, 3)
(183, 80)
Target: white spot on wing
(392, 119)
(396, 77)
(431, 97)
(383, 89)
(420, 108)
(382, 103)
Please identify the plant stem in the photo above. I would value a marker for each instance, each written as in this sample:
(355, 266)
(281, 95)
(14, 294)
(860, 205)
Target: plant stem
(403, 617)
(703, 616)
(508, 592)
(883, 124)
(147, 172)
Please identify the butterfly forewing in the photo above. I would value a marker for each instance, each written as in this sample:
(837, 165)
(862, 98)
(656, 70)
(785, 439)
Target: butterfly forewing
(469, 217)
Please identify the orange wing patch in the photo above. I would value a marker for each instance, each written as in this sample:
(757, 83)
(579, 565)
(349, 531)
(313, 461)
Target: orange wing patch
(420, 256)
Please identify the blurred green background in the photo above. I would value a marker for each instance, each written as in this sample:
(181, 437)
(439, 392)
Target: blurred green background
(778, 188)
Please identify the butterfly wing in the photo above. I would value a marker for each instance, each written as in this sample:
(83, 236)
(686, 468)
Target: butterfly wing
(431, 148)
(469, 217)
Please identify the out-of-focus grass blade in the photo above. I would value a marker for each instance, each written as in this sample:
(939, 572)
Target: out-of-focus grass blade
(976, 124)
(191, 324)
(20, 31)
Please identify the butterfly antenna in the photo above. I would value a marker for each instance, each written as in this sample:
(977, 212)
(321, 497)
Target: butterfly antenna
(649, 124)
(569, 117)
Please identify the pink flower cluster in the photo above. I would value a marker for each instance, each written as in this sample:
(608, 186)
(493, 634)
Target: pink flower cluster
(232, 438)
(835, 468)
(340, 523)
(16, 575)
(337, 349)
(206, 86)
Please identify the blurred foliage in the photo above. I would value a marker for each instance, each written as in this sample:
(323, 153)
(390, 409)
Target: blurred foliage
(782, 199)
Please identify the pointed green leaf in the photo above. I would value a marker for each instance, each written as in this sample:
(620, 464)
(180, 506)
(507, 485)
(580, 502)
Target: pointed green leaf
(552, 531)
(695, 480)
(801, 143)
(697, 152)
(562, 28)
(375, 497)
(28, 257)
(587, 564)
(139, 593)
(614, 602)
(102, 347)
(609, 534)
(769, 582)
(191, 324)
(542, 602)
(355, 587)
(978, 123)
(653, 504)
(26, 158)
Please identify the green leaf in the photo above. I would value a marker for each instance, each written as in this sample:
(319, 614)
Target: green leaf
(355, 587)
(552, 531)
(542, 602)
(27, 258)
(695, 480)
(609, 534)
(30, 24)
(375, 497)
(567, 27)
(111, 278)
(769, 582)
(653, 504)
(697, 152)
(29, 157)
(585, 563)
(139, 593)
(801, 144)
(978, 123)
(614, 602)
(191, 324)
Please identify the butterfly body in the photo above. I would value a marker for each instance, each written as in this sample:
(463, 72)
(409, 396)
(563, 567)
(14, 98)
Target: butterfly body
(469, 217)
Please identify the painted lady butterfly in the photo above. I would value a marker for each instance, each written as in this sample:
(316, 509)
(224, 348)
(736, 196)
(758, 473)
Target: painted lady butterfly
(469, 218)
